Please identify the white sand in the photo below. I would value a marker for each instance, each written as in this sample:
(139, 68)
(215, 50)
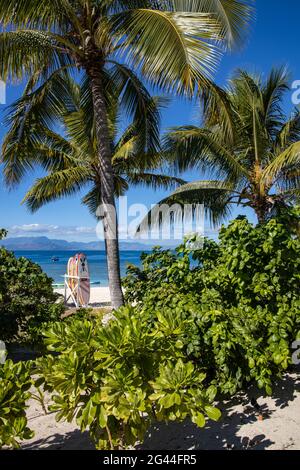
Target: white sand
(239, 427)
(99, 296)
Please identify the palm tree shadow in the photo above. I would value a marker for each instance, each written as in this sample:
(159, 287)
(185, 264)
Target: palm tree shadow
(215, 436)
(236, 412)
(284, 389)
(221, 435)
(73, 440)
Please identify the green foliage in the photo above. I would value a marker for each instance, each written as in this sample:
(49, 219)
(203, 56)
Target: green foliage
(117, 379)
(15, 382)
(45, 316)
(247, 142)
(3, 234)
(241, 297)
(27, 300)
(257, 266)
(70, 158)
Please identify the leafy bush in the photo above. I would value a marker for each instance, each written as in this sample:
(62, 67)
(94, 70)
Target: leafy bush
(15, 382)
(257, 266)
(27, 300)
(3, 233)
(116, 380)
(242, 296)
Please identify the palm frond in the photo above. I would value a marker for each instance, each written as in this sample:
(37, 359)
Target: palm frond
(93, 198)
(283, 162)
(138, 105)
(288, 134)
(177, 60)
(234, 17)
(218, 111)
(27, 51)
(30, 12)
(248, 101)
(273, 93)
(214, 196)
(153, 180)
(193, 147)
(55, 186)
(124, 149)
(289, 180)
(30, 119)
(43, 105)
(188, 51)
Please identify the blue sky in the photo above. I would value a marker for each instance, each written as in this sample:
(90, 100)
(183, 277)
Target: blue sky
(273, 40)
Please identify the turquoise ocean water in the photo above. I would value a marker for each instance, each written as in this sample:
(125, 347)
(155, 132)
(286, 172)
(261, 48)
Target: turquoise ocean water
(96, 260)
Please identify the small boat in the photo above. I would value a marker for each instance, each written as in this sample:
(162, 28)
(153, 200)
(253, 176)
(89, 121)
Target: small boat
(55, 259)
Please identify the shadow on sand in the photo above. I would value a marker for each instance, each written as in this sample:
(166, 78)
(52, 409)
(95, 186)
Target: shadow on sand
(73, 440)
(223, 435)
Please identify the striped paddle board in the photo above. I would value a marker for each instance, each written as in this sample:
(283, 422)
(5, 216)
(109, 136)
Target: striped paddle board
(78, 266)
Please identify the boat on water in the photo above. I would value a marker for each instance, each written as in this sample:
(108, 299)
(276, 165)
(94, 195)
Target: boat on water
(55, 259)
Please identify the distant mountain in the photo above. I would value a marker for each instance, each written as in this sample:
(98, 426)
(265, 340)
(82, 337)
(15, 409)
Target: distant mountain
(47, 244)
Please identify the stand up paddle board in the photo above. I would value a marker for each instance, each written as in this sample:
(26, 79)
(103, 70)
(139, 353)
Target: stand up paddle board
(78, 267)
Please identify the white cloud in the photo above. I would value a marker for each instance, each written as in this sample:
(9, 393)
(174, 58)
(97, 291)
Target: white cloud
(32, 228)
(85, 229)
(47, 229)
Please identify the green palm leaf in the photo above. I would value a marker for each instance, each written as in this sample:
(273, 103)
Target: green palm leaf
(193, 147)
(26, 51)
(176, 60)
(215, 196)
(173, 49)
(246, 142)
(55, 186)
(153, 180)
(284, 161)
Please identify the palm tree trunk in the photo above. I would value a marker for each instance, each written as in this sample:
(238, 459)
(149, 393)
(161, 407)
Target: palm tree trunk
(260, 209)
(109, 217)
(260, 217)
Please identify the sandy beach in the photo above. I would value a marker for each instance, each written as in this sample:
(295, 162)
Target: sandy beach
(100, 296)
(239, 428)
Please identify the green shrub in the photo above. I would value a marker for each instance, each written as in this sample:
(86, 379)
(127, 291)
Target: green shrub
(242, 295)
(43, 318)
(116, 380)
(15, 382)
(3, 233)
(257, 266)
(27, 300)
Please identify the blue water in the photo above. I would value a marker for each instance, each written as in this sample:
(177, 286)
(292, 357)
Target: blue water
(96, 260)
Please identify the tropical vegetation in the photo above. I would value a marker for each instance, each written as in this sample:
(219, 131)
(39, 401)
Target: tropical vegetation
(116, 380)
(174, 45)
(247, 145)
(241, 295)
(201, 323)
(27, 300)
(15, 381)
(70, 158)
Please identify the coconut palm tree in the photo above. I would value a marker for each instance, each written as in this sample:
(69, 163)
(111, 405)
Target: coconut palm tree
(70, 157)
(247, 145)
(173, 43)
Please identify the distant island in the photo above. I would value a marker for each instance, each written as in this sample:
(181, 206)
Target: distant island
(45, 243)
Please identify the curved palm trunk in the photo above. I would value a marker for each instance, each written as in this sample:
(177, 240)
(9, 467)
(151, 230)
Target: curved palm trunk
(260, 217)
(260, 207)
(108, 211)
